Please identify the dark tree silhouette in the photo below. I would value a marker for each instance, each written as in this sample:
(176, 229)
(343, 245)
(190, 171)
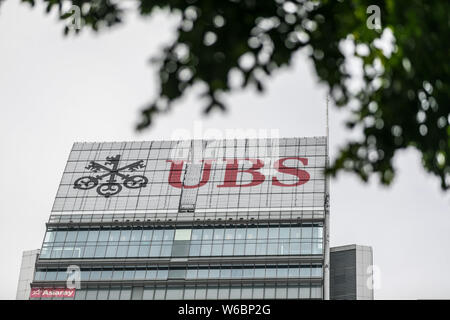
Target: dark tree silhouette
(404, 100)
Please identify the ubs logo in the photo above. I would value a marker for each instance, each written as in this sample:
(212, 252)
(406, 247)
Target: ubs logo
(110, 169)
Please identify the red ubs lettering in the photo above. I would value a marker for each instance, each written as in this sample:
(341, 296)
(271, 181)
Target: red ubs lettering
(232, 171)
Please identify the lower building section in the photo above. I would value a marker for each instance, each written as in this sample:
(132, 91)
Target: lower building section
(195, 260)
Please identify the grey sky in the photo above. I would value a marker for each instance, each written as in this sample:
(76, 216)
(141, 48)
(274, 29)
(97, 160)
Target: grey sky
(56, 90)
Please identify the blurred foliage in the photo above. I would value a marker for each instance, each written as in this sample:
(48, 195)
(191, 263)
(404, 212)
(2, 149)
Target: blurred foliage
(404, 99)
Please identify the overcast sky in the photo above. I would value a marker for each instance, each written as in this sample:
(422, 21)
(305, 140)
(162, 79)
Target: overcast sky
(56, 90)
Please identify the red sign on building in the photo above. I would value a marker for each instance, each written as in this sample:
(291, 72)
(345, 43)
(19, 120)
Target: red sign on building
(52, 292)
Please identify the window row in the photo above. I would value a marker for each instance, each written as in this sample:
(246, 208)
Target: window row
(196, 272)
(281, 291)
(304, 231)
(194, 250)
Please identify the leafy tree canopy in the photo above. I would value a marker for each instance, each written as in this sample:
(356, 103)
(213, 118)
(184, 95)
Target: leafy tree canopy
(404, 99)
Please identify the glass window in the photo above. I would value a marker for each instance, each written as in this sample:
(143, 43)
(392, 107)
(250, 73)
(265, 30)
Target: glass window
(114, 235)
(189, 293)
(240, 233)
(151, 274)
(191, 274)
(272, 248)
(216, 250)
(102, 294)
(144, 251)
(236, 272)
(122, 251)
(128, 274)
(281, 293)
(85, 274)
(207, 234)
(211, 293)
(294, 248)
(295, 232)
(133, 251)
(260, 272)
(148, 294)
(162, 274)
(89, 252)
(219, 234)
(292, 292)
(273, 233)
(196, 234)
(229, 233)
(239, 249)
(317, 232)
(294, 272)
(136, 235)
(269, 292)
(117, 275)
(225, 273)
(258, 292)
(214, 273)
(159, 293)
(91, 294)
(106, 275)
(235, 292)
(67, 252)
(100, 252)
(261, 248)
(228, 249)
(316, 292)
(71, 236)
(250, 249)
(168, 235)
(166, 250)
(305, 248)
(203, 273)
(271, 272)
(95, 275)
(125, 293)
(284, 233)
(223, 293)
(282, 272)
(61, 276)
(60, 236)
(246, 293)
(248, 272)
(205, 249)
(263, 233)
(114, 294)
(251, 233)
(147, 236)
(125, 235)
(111, 251)
(80, 294)
(200, 293)
(304, 292)
(174, 293)
(82, 236)
(39, 275)
(158, 235)
(183, 234)
(92, 237)
(316, 271)
(194, 250)
(306, 232)
(103, 235)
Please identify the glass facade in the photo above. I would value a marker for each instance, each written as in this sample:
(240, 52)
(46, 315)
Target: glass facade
(228, 219)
